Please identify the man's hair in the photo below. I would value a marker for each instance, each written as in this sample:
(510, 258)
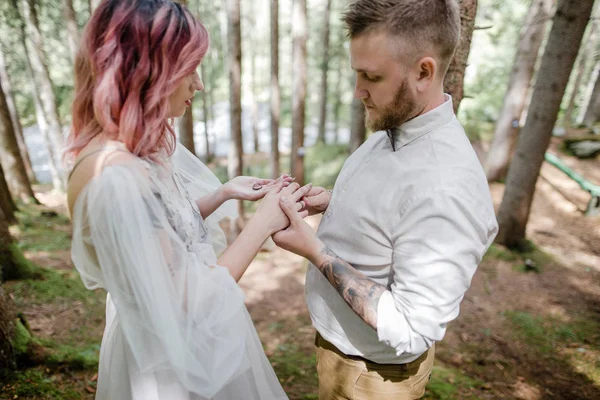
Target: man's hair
(423, 24)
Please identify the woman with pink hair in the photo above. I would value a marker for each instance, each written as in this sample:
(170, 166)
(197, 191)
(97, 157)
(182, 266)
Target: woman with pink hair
(145, 216)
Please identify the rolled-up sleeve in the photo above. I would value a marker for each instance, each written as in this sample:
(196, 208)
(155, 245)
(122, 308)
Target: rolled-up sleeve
(439, 239)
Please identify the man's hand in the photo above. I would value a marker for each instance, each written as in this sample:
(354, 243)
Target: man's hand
(316, 201)
(299, 237)
(252, 188)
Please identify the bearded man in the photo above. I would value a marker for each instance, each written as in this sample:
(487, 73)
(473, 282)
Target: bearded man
(410, 216)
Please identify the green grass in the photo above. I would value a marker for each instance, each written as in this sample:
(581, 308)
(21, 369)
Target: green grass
(296, 371)
(545, 334)
(528, 259)
(449, 384)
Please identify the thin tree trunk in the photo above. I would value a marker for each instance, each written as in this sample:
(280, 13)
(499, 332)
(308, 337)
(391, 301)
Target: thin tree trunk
(254, 85)
(454, 81)
(7, 203)
(46, 91)
(205, 108)
(14, 116)
(299, 35)
(12, 163)
(358, 130)
(275, 96)
(592, 111)
(186, 130)
(564, 41)
(57, 181)
(236, 154)
(507, 126)
(72, 28)
(587, 50)
(324, 71)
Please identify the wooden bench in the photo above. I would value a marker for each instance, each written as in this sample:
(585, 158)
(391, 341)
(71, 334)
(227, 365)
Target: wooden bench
(593, 207)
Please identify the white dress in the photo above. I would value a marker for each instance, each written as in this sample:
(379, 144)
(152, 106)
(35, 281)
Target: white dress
(176, 324)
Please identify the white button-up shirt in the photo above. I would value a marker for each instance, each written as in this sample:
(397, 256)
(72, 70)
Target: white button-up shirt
(417, 220)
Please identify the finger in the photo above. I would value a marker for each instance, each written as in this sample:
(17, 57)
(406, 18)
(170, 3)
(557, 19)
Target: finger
(288, 208)
(315, 199)
(291, 188)
(265, 181)
(301, 192)
(303, 214)
(275, 187)
(300, 205)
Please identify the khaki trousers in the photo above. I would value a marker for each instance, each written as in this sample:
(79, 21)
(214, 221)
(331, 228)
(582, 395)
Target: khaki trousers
(343, 377)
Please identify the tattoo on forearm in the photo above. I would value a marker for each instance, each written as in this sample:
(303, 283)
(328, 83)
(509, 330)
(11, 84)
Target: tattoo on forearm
(361, 293)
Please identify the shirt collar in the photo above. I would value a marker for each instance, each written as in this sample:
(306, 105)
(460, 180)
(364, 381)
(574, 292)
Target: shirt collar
(424, 123)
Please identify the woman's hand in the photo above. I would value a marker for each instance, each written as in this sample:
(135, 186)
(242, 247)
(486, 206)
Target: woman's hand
(269, 213)
(251, 188)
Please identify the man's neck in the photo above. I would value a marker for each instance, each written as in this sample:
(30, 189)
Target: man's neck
(434, 102)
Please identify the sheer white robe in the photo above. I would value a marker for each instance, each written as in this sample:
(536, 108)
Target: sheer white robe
(176, 324)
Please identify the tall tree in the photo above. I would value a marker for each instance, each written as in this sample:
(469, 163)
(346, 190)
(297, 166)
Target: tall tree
(274, 89)
(38, 62)
(236, 152)
(507, 126)
(299, 34)
(72, 28)
(205, 107)
(591, 113)
(254, 46)
(324, 72)
(12, 163)
(14, 116)
(586, 54)
(564, 41)
(358, 131)
(7, 204)
(186, 130)
(454, 81)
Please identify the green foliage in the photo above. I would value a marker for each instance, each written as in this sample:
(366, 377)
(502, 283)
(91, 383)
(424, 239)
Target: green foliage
(21, 339)
(35, 384)
(500, 253)
(323, 164)
(54, 286)
(39, 232)
(293, 365)
(75, 357)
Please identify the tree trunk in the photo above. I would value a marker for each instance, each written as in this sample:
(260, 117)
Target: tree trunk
(358, 130)
(236, 153)
(8, 316)
(12, 163)
(57, 181)
(186, 130)
(507, 126)
(254, 85)
(585, 52)
(324, 71)
(275, 100)
(592, 111)
(299, 35)
(564, 41)
(94, 4)
(72, 28)
(205, 108)
(14, 116)
(454, 81)
(7, 205)
(46, 91)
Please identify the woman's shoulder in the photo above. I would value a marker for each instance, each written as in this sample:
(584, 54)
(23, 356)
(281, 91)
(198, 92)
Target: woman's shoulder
(98, 165)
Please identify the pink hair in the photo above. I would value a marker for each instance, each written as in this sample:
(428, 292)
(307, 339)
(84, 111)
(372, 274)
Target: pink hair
(132, 56)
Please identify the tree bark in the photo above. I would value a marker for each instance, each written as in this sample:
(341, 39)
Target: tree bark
(592, 111)
(564, 41)
(236, 153)
(38, 62)
(454, 80)
(14, 116)
(12, 163)
(254, 85)
(275, 96)
(72, 28)
(299, 34)
(324, 72)
(57, 181)
(507, 126)
(205, 108)
(358, 130)
(7, 204)
(186, 130)
(583, 65)
(8, 316)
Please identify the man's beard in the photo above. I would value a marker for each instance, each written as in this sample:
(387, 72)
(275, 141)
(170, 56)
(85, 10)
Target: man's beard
(400, 110)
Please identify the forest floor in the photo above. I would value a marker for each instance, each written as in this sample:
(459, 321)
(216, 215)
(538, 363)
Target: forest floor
(529, 326)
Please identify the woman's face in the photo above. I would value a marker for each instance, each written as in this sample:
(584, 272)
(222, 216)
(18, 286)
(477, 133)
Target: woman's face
(183, 94)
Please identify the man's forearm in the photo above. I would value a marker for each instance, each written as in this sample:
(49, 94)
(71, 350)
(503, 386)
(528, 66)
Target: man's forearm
(361, 293)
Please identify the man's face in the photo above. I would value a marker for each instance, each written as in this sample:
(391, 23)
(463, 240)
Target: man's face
(383, 81)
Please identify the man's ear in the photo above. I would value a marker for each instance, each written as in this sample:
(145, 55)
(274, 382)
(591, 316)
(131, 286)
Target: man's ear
(426, 71)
